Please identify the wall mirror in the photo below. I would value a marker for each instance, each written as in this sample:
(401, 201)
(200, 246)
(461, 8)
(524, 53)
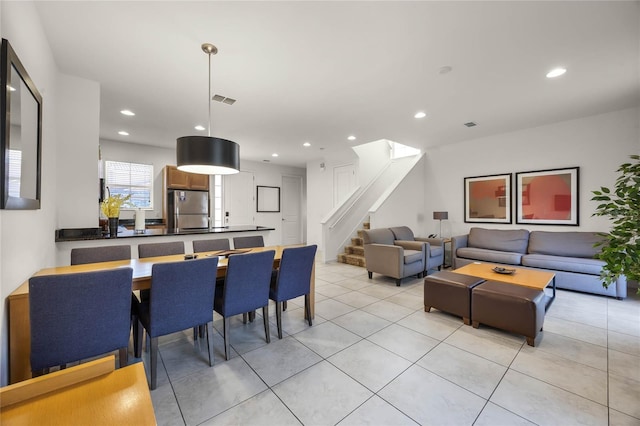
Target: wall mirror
(21, 132)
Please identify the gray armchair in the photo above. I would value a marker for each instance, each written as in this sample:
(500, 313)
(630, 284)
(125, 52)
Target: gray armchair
(434, 249)
(384, 257)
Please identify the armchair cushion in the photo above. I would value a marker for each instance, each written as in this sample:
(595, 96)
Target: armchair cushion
(411, 256)
(435, 251)
(378, 236)
(403, 233)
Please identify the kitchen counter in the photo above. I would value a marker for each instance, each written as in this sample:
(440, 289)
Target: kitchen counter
(84, 234)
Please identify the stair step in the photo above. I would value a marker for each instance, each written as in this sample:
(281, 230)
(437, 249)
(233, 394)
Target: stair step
(356, 241)
(359, 250)
(351, 259)
(366, 225)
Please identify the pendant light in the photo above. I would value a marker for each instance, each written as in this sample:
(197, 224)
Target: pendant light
(205, 154)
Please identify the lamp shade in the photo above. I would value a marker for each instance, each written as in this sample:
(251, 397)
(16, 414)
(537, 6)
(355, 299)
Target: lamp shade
(207, 155)
(440, 215)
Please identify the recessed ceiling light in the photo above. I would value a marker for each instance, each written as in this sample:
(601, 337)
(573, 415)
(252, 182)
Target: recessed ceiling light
(199, 127)
(352, 138)
(274, 155)
(420, 114)
(123, 133)
(556, 72)
(127, 112)
(306, 144)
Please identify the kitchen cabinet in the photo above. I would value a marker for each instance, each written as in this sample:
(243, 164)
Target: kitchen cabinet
(177, 179)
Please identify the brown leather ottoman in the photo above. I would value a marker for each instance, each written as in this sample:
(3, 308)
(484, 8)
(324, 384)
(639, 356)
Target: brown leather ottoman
(508, 307)
(450, 292)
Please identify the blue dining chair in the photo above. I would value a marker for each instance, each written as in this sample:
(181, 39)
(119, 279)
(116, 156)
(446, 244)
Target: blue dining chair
(79, 316)
(80, 256)
(293, 280)
(84, 255)
(246, 288)
(211, 245)
(180, 298)
(160, 249)
(248, 242)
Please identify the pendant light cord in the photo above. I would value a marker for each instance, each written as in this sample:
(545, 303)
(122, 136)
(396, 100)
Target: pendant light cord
(209, 99)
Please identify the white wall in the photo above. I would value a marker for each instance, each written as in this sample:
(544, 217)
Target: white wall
(77, 152)
(27, 236)
(320, 191)
(597, 144)
(406, 205)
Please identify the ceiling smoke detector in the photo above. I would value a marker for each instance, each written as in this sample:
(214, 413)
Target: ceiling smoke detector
(470, 124)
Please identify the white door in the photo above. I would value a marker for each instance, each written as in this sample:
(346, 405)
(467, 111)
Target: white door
(239, 199)
(291, 209)
(344, 181)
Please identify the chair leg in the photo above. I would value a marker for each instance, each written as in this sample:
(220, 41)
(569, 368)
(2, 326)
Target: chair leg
(138, 333)
(252, 316)
(370, 274)
(279, 319)
(123, 356)
(244, 318)
(208, 326)
(284, 305)
(265, 316)
(398, 281)
(195, 334)
(153, 356)
(225, 332)
(307, 308)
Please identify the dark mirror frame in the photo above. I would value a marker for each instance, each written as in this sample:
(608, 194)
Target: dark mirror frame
(9, 60)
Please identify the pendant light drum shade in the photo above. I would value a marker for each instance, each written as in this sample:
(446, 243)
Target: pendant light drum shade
(207, 155)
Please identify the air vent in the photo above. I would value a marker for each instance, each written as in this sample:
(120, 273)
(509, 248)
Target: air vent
(470, 124)
(224, 100)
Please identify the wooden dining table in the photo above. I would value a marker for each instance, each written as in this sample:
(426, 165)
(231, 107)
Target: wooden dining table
(18, 300)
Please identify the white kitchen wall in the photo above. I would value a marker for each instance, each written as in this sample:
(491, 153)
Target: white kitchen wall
(27, 236)
(597, 144)
(145, 154)
(267, 174)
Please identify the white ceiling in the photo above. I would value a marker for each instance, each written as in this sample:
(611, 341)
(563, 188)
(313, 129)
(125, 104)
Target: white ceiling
(321, 71)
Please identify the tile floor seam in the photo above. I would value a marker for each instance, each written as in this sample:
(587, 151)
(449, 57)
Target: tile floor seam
(571, 359)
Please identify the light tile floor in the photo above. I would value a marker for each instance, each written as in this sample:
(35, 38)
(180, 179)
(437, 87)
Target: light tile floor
(373, 356)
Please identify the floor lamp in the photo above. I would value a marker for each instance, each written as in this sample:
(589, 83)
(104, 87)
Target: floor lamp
(440, 216)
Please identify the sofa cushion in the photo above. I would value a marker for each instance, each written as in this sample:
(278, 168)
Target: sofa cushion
(571, 244)
(403, 233)
(378, 236)
(515, 240)
(579, 265)
(411, 256)
(489, 255)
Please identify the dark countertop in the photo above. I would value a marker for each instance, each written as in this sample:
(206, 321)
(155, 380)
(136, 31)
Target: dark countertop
(80, 234)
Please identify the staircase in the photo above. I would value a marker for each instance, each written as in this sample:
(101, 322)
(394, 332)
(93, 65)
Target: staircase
(354, 253)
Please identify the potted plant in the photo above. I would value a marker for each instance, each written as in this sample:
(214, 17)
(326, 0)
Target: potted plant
(110, 207)
(621, 247)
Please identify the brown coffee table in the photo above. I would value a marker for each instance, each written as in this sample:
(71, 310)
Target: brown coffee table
(522, 276)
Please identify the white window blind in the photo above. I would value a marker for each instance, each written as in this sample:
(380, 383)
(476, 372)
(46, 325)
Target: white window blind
(15, 167)
(131, 179)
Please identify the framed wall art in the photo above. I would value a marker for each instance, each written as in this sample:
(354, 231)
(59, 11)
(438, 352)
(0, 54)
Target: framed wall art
(547, 197)
(268, 199)
(487, 199)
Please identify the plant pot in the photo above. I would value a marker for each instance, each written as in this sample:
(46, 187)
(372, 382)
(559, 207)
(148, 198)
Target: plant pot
(113, 227)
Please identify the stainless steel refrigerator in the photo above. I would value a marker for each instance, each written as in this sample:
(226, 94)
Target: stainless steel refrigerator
(188, 209)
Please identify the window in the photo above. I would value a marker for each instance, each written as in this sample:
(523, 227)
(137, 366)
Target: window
(131, 179)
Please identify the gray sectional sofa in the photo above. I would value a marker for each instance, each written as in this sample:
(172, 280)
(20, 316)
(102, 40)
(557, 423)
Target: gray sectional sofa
(570, 255)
